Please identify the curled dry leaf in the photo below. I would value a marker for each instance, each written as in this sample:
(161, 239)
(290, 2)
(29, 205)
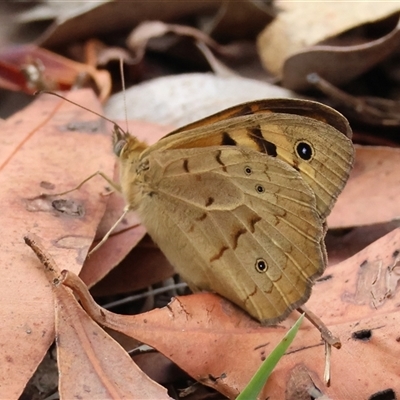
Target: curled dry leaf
(368, 110)
(232, 22)
(344, 243)
(31, 68)
(91, 364)
(137, 41)
(374, 184)
(304, 38)
(111, 253)
(99, 54)
(43, 149)
(220, 346)
(100, 18)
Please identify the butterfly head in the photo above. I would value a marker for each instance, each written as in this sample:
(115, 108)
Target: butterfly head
(128, 149)
(126, 146)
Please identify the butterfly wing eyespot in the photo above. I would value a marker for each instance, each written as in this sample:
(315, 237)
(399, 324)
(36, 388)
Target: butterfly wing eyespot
(261, 265)
(260, 188)
(247, 170)
(304, 150)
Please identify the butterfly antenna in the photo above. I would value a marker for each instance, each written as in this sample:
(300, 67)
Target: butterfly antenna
(121, 69)
(116, 126)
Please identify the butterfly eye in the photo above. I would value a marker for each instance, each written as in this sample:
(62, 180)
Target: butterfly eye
(118, 146)
(304, 150)
(261, 265)
(260, 188)
(247, 170)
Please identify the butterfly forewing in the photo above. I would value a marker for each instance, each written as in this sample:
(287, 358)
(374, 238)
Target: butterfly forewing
(235, 221)
(322, 154)
(303, 108)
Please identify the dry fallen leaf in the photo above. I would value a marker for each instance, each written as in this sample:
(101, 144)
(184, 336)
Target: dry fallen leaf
(91, 364)
(138, 39)
(145, 265)
(232, 20)
(89, 19)
(344, 243)
(372, 193)
(303, 39)
(43, 149)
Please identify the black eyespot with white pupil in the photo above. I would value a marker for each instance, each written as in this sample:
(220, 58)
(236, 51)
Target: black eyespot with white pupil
(248, 170)
(261, 265)
(304, 150)
(260, 188)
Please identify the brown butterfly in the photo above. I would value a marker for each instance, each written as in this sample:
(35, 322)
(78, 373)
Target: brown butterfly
(238, 201)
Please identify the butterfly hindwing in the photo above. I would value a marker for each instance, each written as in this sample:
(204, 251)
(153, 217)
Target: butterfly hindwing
(235, 221)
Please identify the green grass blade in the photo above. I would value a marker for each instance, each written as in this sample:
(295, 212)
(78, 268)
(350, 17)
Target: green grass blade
(251, 391)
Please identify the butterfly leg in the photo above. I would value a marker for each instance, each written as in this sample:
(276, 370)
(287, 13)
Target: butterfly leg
(327, 336)
(113, 184)
(107, 235)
